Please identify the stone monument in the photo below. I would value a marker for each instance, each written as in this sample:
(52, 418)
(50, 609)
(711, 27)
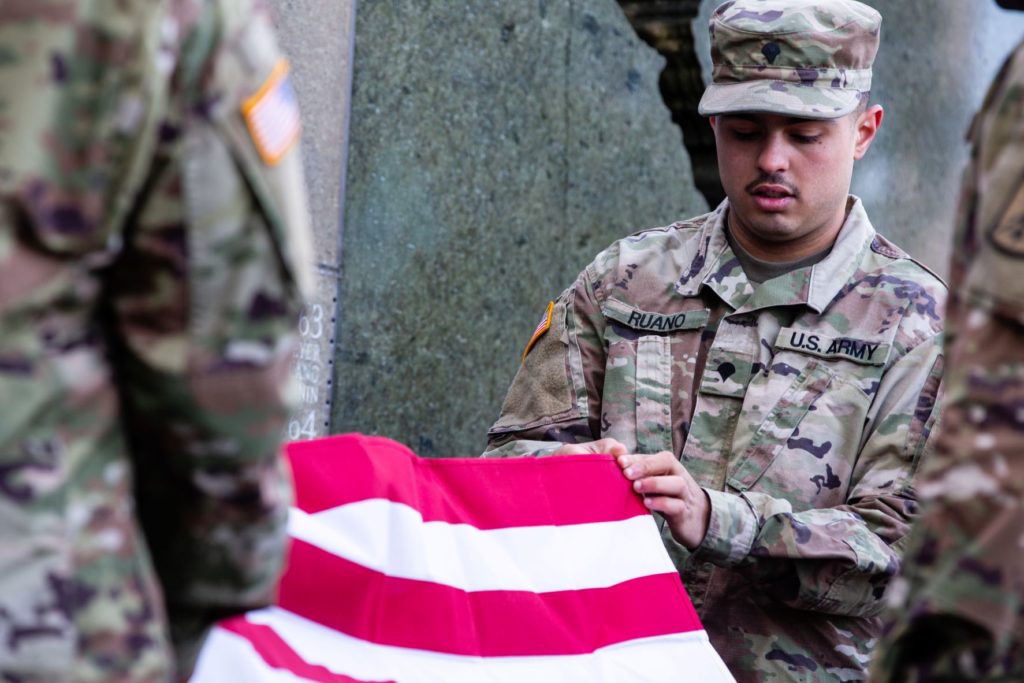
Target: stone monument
(495, 147)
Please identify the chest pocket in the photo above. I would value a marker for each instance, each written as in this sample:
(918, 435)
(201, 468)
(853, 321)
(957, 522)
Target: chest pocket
(775, 429)
(643, 347)
(807, 416)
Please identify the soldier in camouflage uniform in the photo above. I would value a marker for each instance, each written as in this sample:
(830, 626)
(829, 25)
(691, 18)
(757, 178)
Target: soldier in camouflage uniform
(765, 373)
(960, 607)
(153, 238)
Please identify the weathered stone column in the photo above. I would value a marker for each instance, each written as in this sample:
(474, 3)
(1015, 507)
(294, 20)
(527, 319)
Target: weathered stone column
(496, 146)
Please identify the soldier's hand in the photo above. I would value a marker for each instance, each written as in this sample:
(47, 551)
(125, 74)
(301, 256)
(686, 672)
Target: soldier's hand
(609, 446)
(669, 489)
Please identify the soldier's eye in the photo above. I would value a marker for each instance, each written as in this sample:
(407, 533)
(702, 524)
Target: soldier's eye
(805, 139)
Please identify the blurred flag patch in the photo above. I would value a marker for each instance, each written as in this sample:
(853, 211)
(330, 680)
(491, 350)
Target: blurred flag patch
(272, 115)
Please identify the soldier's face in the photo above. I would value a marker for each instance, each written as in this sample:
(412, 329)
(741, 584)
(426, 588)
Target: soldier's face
(787, 178)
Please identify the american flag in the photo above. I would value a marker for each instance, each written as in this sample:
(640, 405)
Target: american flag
(407, 569)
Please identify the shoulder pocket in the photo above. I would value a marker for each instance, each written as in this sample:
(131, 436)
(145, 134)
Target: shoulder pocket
(542, 391)
(253, 108)
(996, 269)
(280, 192)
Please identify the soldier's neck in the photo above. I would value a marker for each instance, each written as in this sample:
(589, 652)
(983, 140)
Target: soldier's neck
(793, 250)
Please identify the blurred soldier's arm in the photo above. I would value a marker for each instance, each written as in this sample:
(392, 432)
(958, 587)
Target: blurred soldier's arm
(203, 304)
(957, 611)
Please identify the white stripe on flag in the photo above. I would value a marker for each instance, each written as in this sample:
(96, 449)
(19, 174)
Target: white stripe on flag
(230, 658)
(393, 539)
(679, 658)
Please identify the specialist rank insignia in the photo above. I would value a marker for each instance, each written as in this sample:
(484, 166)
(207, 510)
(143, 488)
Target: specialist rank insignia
(1008, 235)
(542, 327)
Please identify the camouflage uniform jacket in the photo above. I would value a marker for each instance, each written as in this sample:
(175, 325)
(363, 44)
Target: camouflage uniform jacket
(802, 408)
(960, 610)
(148, 266)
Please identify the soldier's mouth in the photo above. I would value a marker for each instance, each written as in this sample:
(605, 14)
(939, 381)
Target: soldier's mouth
(773, 198)
(772, 191)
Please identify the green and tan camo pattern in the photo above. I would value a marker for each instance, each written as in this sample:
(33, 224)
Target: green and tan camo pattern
(802, 406)
(959, 613)
(148, 291)
(793, 57)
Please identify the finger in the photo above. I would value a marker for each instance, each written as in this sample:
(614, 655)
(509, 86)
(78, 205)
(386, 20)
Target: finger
(641, 466)
(662, 486)
(666, 505)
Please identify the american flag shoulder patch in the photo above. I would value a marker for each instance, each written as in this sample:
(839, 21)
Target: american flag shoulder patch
(542, 327)
(272, 115)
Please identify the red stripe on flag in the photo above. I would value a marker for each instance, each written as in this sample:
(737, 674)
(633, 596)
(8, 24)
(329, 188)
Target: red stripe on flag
(484, 493)
(366, 604)
(279, 655)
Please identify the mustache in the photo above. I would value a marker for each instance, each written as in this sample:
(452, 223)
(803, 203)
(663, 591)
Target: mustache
(773, 179)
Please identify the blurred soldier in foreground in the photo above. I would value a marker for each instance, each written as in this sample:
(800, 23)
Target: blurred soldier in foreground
(766, 373)
(152, 238)
(959, 611)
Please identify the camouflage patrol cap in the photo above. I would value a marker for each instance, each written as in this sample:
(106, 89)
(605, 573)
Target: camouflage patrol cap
(805, 58)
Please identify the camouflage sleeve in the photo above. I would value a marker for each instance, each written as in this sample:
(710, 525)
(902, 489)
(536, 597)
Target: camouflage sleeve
(956, 612)
(838, 560)
(554, 398)
(203, 303)
(960, 599)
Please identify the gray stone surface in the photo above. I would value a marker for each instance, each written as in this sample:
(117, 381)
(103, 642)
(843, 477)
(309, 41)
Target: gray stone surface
(933, 69)
(496, 146)
(317, 36)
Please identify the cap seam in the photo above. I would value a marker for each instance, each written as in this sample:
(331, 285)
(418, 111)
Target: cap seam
(787, 33)
(809, 111)
(776, 80)
(785, 68)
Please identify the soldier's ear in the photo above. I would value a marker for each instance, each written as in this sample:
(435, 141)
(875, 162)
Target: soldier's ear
(866, 126)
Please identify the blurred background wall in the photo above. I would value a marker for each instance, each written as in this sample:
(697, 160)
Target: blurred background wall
(466, 158)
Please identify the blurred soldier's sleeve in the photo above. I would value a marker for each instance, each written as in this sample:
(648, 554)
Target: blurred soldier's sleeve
(957, 611)
(555, 396)
(204, 301)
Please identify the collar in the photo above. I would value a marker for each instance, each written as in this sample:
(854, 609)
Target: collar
(814, 286)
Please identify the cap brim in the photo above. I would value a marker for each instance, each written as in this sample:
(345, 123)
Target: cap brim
(778, 97)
